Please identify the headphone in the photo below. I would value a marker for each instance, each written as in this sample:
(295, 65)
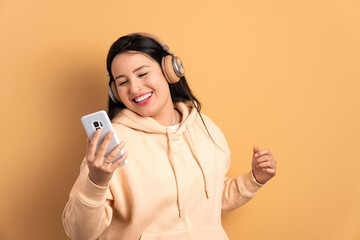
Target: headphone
(171, 66)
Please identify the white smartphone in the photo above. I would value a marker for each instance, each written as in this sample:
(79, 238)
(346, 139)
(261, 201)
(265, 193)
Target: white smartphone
(100, 120)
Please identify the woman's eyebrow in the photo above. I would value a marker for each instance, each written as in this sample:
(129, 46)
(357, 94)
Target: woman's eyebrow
(137, 69)
(140, 68)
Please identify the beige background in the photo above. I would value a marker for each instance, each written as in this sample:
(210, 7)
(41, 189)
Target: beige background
(279, 74)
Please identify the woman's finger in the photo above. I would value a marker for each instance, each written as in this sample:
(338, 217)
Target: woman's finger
(268, 164)
(269, 170)
(256, 149)
(263, 152)
(111, 157)
(120, 161)
(104, 145)
(93, 143)
(264, 165)
(263, 159)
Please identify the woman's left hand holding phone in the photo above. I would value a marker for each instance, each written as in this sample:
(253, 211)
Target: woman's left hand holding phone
(101, 169)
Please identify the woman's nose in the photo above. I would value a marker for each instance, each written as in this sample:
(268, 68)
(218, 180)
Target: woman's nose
(135, 86)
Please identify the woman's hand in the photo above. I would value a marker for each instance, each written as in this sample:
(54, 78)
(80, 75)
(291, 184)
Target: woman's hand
(263, 165)
(101, 169)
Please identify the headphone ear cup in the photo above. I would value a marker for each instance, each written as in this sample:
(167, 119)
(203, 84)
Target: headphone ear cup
(172, 68)
(113, 93)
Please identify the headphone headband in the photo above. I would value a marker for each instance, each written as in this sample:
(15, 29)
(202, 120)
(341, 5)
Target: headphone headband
(153, 37)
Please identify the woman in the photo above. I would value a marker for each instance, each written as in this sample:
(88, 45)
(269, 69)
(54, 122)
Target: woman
(174, 184)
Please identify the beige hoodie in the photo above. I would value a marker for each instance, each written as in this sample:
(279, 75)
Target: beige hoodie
(173, 186)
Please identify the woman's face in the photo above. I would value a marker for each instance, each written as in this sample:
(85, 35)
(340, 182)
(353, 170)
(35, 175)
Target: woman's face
(141, 85)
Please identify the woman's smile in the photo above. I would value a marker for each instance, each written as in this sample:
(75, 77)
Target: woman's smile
(143, 99)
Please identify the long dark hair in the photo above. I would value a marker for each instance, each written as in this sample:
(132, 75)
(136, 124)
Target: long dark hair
(180, 91)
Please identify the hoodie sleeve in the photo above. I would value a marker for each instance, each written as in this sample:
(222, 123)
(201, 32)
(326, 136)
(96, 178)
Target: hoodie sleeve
(238, 191)
(88, 212)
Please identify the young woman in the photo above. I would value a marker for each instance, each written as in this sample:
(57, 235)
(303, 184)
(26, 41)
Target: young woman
(174, 185)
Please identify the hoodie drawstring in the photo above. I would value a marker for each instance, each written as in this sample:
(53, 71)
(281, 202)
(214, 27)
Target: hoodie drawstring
(173, 168)
(198, 161)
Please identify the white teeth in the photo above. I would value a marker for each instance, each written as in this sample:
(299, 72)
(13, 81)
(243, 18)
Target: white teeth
(142, 98)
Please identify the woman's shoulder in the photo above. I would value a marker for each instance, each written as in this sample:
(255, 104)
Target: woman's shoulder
(210, 124)
(215, 132)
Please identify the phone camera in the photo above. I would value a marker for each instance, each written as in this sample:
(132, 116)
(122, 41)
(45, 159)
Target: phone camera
(96, 124)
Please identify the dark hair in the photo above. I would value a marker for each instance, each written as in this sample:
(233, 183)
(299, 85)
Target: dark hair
(180, 91)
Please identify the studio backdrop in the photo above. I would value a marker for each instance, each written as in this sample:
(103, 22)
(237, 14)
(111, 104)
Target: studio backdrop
(279, 74)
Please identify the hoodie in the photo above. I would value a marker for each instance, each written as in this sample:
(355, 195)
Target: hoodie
(173, 187)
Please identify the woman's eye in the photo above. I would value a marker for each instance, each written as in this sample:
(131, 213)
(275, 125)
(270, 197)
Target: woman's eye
(122, 83)
(143, 74)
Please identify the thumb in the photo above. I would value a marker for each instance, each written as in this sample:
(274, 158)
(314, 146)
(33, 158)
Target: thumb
(256, 149)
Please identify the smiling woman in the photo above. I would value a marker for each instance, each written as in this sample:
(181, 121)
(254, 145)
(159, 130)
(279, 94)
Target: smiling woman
(174, 185)
(142, 87)
(155, 52)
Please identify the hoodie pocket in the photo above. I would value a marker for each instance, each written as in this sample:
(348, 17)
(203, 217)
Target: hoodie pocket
(213, 232)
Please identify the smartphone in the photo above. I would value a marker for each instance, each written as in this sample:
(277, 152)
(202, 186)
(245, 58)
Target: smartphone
(100, 120)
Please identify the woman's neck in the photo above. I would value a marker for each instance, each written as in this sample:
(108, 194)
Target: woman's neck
(169, 118)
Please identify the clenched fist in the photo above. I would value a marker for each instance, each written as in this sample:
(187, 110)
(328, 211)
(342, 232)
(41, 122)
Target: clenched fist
(263, 165)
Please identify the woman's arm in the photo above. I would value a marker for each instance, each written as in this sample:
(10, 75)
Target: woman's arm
(238, 191)
(88, 211)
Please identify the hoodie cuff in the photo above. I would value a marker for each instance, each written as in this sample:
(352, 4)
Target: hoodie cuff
(249, 185)
(92, 194)
(254, 179)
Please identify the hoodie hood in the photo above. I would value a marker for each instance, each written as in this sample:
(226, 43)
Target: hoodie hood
(148, 125)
